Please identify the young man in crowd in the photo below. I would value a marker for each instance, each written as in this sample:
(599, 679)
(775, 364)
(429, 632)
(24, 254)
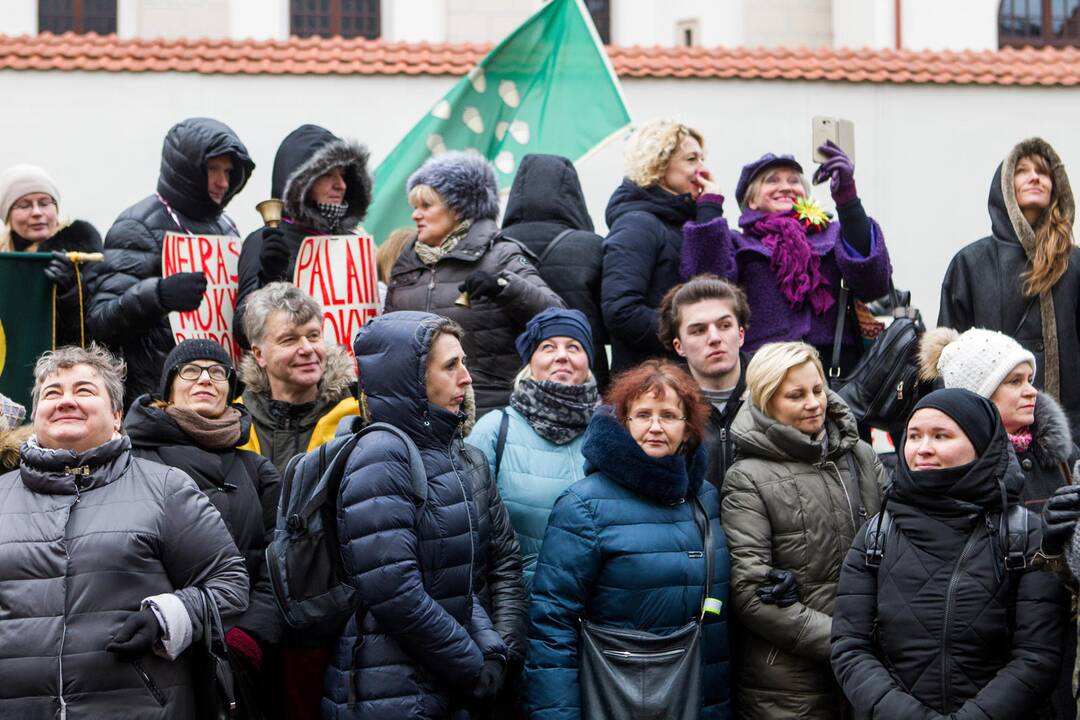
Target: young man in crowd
(704, 321)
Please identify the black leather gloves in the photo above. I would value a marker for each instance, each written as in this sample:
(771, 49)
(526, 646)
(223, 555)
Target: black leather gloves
(136, 636)
(483, 284)
(1059, 519)
(61, 272)
(274, 256)
(783, 592)
(181, 292)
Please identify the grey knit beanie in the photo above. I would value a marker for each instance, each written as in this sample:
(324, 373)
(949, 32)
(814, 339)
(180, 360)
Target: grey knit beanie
(464, 180)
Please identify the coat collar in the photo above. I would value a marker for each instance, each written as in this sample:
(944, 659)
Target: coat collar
(757, 434)
(65, 472)
(471, 248)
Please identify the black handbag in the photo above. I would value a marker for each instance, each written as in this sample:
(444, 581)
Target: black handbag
(884, 385)
(632, 673)
(215, 689)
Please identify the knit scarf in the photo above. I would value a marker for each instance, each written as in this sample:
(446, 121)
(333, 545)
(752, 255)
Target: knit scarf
(332, 212)
(556, 411)
(1021, 441)
(793, 262)
(210, 433)
(432, 254)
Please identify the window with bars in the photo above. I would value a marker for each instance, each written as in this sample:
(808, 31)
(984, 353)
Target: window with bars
(327, 18)
(601, 17)
(1038, 23)
(80, 16)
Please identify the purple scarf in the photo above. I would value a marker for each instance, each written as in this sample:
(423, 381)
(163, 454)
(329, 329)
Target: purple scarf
(792, 260)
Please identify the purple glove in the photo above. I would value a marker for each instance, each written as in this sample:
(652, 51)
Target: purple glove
(840, 171)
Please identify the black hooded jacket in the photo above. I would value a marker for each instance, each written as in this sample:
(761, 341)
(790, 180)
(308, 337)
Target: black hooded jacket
(545, 201)
(126, 311)
(641, 263)
(982, 287)
(304, 155)
(718, 439)
(242, 485)
(941, 628)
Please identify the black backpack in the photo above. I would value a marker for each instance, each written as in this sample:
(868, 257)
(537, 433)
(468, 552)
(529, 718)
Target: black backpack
(304, 558)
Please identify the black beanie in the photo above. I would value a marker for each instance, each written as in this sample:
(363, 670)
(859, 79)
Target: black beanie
(975, 415)
(195, 349)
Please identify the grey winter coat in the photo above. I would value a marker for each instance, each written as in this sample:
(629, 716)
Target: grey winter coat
(491, 324)
(78, 554)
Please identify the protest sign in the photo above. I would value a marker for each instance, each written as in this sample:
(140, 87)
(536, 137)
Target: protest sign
(216, 256)
(339, 272)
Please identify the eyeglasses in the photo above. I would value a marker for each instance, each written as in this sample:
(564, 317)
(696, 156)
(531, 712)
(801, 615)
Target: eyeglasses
(217, 373)
(644, 420)
(24, 205)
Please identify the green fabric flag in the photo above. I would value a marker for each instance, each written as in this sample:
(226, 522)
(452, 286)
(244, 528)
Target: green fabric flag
(25, 321)
(547, 88)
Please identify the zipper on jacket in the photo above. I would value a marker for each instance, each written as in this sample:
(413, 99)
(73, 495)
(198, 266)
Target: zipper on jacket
(946, 636)
(643, 655)
(148, 682)
(63, 627)
(430, 290)
(468, 514)
(843, 486)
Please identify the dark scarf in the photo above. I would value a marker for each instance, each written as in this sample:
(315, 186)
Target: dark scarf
(796, 267)
(556, 411)
(210, 433)
(332, 213)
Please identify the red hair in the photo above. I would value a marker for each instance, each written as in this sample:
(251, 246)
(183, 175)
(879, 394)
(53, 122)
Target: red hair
(656, 377)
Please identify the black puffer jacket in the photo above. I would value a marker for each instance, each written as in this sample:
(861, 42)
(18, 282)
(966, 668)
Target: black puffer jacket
(545, 201)
(982, 287)
(641, 263)
(420, 634)
(491, 324)
(305, 154)
(719, 441)
(126, 311)
(242, 485)
(78, 555)
(941, 628)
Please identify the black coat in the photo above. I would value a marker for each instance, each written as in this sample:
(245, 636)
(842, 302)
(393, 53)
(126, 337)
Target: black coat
(242, 485)
(79, 236)
(303, 156)
(718, 440)
(546, 200)
(420, 634)
(941, 627)
(641, 263)
(126, 311)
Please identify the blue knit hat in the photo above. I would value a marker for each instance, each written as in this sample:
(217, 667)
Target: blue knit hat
(752, 170)
(555, 322)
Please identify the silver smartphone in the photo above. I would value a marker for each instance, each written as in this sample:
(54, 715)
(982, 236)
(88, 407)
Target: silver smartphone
(839, 130)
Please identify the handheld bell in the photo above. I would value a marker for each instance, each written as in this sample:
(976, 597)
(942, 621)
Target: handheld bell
(463, 300)
(270, 210)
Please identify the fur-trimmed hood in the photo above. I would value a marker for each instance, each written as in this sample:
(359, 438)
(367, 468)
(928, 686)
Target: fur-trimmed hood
(335, 383)
(307, 153)
(10, 443)
(1006, 219)
(1051, 439)
(464, 180)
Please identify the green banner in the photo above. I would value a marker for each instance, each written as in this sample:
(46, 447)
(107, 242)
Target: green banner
(26, 331)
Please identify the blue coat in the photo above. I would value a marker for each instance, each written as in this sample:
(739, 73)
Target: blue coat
(420, 632)
(616, 553)
(533, 474)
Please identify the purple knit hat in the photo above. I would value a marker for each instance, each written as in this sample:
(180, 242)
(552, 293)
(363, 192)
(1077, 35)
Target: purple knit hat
(751, 170)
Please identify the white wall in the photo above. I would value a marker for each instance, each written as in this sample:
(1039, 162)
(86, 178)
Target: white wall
(652, 22)
(950, 25)
(924, 154)
(19, 17)
(259, 19)
(414, 20)
(863, 24)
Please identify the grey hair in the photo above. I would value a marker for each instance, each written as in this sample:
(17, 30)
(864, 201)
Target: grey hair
(111, 369)
(282, 296)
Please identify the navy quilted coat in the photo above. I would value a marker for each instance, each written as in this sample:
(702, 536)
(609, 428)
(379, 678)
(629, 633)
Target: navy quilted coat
(420, 633)
(616, 553)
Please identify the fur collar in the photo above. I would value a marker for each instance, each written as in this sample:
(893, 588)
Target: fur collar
(73, 236)
(758, 435)
(332, 388)
(337, 153)
(1052, 441)
(10, 444)
(1062, 189)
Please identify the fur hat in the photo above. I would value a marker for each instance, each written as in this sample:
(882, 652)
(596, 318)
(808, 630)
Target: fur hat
(464, 180)
(977, 360)
(19, 180)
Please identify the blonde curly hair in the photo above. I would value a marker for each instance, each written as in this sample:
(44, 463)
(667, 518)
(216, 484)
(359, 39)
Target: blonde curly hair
(650, 149)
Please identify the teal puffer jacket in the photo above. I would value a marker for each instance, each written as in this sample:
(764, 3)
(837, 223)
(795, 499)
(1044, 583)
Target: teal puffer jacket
(533, 474)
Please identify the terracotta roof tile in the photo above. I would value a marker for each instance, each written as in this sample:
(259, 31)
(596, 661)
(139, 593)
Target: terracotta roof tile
(335, 56)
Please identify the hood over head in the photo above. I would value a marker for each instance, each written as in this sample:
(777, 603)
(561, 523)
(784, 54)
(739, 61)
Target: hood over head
(183, 180)
(655, 200)
(547, 189)
(1007, 222)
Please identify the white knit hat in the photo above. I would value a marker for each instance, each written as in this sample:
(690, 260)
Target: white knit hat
(978, 360)
(19, 180)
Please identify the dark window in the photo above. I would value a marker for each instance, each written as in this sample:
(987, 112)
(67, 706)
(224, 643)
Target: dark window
(601, 17)
(1039, 22)
(327, 18)
(80, 16)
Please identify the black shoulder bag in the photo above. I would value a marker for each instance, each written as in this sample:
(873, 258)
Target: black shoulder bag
(633, 673)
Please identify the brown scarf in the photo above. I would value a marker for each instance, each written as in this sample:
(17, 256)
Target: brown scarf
(211, 433)
(430, 255)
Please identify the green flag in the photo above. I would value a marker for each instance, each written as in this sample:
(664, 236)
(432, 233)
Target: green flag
(547, 88)
(26, 317)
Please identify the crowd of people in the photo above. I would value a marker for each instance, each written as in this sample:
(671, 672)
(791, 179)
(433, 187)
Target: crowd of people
(692, 526)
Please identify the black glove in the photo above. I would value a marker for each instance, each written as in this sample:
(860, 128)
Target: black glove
(482, 284)
(491, 678)
(1059, 518)
(136, 636)
(274, 256)
(784, 591)
(61, 272)
(181, 292)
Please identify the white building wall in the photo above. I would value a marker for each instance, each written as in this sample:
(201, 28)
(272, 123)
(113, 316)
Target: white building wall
(183, 18)
(787, 23)
(19, 17)
(259, 19)
(863, 24)
(654, 22)
(951, 25)
(414, 20)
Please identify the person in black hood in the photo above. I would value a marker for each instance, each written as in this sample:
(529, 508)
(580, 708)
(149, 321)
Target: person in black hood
(939, 618)
(1024, 278)
(191, 424)
(645, 215)
(324, 183)
(546, 212)
(203, 166)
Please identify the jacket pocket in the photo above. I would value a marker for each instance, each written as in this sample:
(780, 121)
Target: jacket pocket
(148, 681)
